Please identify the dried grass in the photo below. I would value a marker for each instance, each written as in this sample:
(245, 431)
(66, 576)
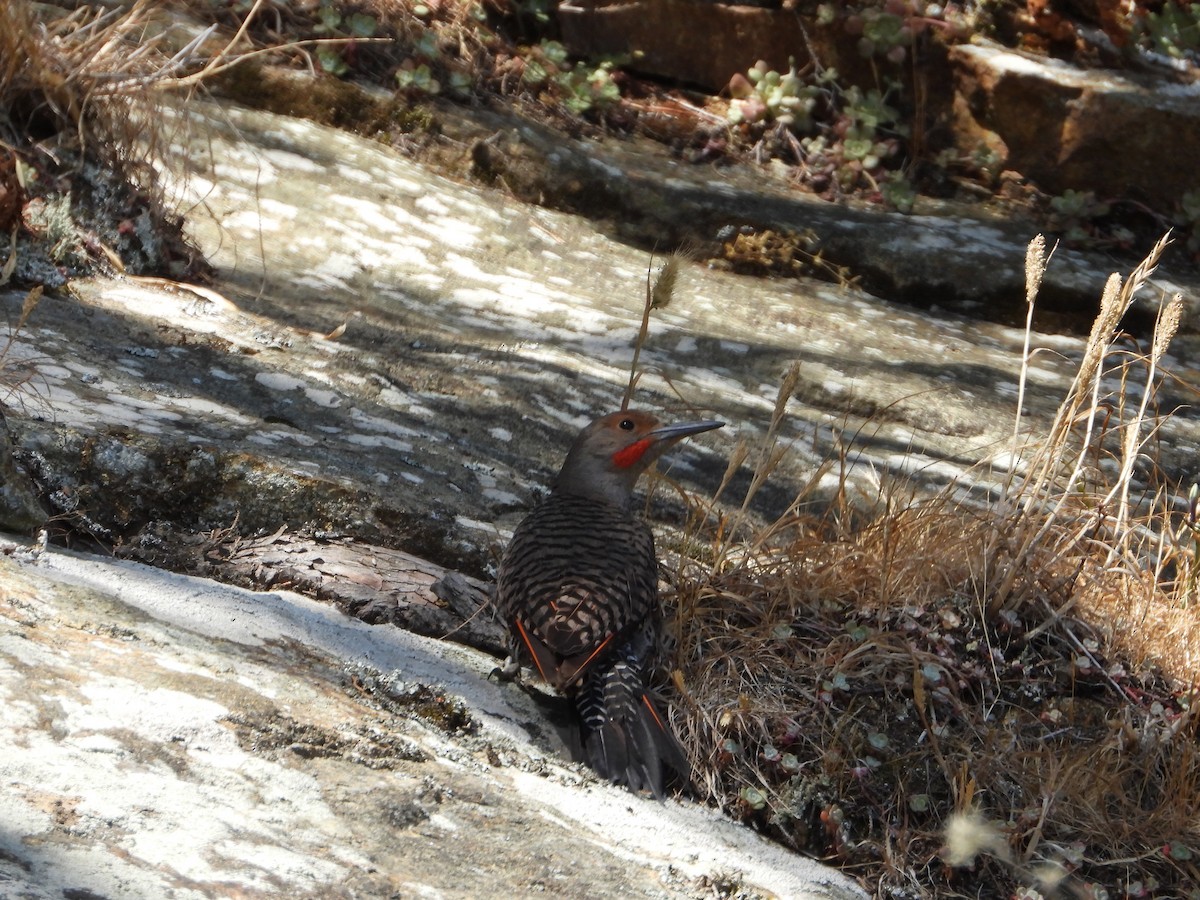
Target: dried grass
(80, 89)
(1023, 671)
(83, 71)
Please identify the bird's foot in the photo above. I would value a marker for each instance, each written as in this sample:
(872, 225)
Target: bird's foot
(510, 671)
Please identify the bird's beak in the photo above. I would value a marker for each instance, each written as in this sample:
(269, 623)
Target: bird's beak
(672, 433)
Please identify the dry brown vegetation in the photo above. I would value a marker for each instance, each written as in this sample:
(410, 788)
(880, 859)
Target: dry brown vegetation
(80, 119)
(965, 698)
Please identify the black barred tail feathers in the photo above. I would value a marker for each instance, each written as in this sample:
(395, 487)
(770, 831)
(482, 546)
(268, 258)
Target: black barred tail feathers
(626, 738)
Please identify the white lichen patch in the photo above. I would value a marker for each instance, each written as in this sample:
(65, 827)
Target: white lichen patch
(327, 399)
(275, 436)
(279, 381)
(368, 422)
(379, 440)
(501, 498)
(432, 204)
(475, 524)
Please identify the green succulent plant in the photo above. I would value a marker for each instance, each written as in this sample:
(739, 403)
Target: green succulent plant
(764, 95)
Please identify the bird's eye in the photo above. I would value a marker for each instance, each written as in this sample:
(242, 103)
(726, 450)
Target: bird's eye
(626, 424)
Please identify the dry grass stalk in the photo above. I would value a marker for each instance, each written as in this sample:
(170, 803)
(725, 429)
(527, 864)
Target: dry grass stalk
(15, 375)
(659, 293)
(10, 261)
(1036, 261)
(1046, 494)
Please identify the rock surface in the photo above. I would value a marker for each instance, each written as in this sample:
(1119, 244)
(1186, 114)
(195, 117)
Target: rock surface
(19, 507)
(719, 40)
(479, 333)
(1116, 132)
(162, 736)
(643, 193)
(1073, 129)
(243, 425)
(931, 257)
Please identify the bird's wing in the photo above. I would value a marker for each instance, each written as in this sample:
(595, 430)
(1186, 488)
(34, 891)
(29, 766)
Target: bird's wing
(575, 581)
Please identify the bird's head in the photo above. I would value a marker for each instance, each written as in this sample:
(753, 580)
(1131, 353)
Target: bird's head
(612, 452)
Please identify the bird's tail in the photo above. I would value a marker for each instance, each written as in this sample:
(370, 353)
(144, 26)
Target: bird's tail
(626, 738)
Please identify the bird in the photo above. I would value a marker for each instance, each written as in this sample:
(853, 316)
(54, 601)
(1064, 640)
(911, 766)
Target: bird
(578, 590)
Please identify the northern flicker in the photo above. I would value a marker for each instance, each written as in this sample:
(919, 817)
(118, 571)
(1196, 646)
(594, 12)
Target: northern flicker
(578, 589)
